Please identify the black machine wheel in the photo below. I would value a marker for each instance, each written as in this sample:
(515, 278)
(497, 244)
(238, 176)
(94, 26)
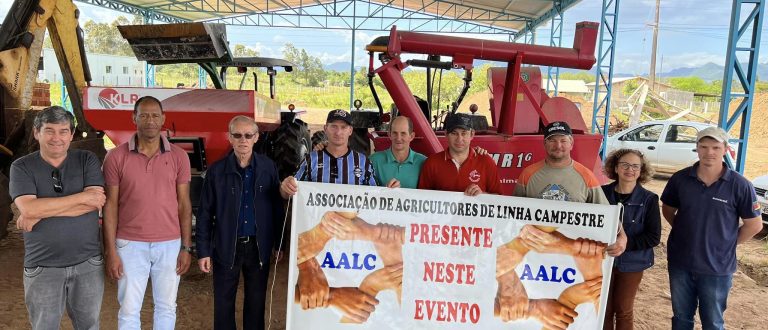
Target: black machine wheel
(318, 138)
(360, 141)
(288, 145)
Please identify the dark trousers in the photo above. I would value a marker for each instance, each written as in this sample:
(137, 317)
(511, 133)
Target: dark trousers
(225, 280)
(621, 300)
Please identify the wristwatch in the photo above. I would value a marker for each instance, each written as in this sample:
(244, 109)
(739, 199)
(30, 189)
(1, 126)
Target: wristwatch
(186, 248)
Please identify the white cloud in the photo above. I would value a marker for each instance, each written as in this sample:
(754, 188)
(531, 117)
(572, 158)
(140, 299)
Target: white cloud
(99, 15)
(265, 51)
(278, 39)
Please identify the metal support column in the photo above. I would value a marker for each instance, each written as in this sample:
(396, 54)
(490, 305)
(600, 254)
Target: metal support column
(744, 42)
(65, 97)
(202, 79)
(555, 40)
(352, 73)
(604, 70)
(149, 69)
(530, 34)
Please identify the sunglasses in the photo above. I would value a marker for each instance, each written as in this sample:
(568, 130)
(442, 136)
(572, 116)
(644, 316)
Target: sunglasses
(56, 176)
(239, 136)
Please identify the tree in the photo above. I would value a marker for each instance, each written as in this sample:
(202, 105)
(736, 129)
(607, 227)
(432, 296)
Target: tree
(308, 68)
(244, 51)
(104, 38)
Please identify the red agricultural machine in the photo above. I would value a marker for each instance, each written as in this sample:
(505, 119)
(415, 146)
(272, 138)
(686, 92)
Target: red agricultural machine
(519, 106)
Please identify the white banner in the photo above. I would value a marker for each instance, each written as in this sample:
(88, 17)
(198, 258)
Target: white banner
(380, 258)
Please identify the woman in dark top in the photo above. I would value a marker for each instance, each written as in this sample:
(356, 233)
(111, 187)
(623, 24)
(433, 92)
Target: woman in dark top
(642, 223)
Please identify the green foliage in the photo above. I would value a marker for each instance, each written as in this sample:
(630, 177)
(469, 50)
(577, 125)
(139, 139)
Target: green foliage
(586, 76)
(696, 85)
(104, 38)
(244, 51)
(629, 87)
(310, 68)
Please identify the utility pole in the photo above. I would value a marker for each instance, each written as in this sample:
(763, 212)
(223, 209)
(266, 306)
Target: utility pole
(652, 75)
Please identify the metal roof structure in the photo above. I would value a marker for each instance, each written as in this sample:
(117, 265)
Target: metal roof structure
(514, 17)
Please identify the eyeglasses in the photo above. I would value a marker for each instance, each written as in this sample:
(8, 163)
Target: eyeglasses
(239, 136)
(56, 176)
(626, 166)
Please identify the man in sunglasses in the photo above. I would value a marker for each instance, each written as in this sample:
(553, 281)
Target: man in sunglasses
(59, 193)
(239, 223)
(147, 218)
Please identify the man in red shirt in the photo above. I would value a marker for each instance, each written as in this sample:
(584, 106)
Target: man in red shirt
(460, 168)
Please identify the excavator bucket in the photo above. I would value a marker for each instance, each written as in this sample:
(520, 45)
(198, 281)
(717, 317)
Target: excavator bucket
(178, 43)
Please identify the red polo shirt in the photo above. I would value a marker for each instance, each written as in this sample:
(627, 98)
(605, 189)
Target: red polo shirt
(441, 172)
(148, 208)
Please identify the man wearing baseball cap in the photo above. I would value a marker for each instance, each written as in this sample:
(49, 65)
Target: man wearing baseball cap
(559, 177)
(332, 163)
(703, 203)
(460, 168)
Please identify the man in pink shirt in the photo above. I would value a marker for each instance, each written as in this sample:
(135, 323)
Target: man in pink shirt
(147, 218)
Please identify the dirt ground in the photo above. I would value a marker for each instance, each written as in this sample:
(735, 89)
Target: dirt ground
(746, 306)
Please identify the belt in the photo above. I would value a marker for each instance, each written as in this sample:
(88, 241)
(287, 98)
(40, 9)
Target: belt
(246, 239)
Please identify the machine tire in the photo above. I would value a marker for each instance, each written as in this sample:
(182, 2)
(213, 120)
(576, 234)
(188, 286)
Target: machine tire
(360, 141)
(289, 144)
(318, 138)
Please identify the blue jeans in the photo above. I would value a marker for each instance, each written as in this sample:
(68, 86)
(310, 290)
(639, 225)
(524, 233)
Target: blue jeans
(142, 260)
(79, 289)
(691, 290)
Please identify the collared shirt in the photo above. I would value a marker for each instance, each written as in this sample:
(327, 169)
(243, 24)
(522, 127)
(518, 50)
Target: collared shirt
(387, 167)
(351, 168)
(247, 215)
(441, 172)
(706, 226)
(148, 208)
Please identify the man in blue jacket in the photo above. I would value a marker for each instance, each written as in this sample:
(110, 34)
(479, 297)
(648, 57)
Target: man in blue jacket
(238, 224)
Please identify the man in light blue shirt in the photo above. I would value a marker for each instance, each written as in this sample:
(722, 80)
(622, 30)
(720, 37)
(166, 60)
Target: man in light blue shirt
(398, 166)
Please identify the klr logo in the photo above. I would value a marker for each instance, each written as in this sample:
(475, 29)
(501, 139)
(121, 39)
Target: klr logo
(110, 98)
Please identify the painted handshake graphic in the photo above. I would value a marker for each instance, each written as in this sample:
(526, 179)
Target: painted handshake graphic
(356, 303)
(512, 302)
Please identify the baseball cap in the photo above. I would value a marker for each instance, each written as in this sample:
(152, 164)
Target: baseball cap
(458, 120)
(557, 128)
(339, 114)
(713, 132)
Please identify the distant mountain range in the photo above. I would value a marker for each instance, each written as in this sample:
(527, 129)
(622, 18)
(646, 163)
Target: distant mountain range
(707, 72)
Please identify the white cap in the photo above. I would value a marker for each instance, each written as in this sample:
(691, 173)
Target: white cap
(715, 133)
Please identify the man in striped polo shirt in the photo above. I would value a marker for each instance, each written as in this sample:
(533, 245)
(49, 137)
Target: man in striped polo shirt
(336, 163)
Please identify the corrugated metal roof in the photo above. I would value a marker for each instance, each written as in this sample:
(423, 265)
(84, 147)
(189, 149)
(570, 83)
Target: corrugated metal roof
(507, 14)
(569, 86)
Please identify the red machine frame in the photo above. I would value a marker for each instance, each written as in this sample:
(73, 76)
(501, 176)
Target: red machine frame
(513, 143)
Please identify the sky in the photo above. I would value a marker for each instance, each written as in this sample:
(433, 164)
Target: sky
(691, 34)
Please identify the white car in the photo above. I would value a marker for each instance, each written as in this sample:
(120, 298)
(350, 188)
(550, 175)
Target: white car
(669, 145)
(761, 188)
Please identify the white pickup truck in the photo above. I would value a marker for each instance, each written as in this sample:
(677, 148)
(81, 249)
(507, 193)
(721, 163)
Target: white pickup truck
(669, 145)
(761, 188)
